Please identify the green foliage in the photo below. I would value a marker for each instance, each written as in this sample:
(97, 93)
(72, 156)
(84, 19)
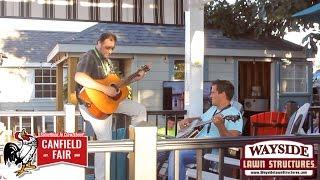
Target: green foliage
(257, 18)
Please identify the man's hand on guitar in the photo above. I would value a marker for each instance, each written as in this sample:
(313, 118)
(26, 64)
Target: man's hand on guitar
(218, 120)
(110, 91)
(142, 73)
(185, 122)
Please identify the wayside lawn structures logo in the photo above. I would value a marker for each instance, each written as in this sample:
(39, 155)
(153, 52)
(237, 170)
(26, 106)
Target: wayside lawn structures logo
(278, 158)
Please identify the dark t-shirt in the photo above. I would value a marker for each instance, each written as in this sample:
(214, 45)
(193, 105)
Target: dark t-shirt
(90, 64)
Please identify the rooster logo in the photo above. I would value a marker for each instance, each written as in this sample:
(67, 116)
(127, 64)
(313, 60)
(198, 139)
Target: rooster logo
(22, 153)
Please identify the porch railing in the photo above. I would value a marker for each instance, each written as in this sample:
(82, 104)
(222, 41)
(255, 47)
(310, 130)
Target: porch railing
(138, 169)
(149, 159)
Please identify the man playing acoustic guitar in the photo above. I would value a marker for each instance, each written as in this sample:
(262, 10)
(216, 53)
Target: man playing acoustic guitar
(95, 65)
(221, 94)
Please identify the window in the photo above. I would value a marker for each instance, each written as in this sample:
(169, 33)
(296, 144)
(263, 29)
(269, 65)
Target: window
(178, 69)
(294, 78)
(45, 83)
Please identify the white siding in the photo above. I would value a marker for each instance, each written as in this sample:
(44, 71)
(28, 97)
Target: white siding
(149, 90)
(20, 94)
(17, 84)
(219, 68)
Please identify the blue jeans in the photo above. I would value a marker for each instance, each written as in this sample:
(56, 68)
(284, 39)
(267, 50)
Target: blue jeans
(186, 157)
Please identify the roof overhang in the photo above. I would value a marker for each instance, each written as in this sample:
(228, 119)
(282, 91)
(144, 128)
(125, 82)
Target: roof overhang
(61, 51)
(312, 13)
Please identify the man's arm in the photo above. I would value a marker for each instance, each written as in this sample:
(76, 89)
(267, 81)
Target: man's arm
(86, 81)
(185, 122)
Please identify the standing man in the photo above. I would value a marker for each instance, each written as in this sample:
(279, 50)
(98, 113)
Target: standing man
(95, 64)
(221, 94)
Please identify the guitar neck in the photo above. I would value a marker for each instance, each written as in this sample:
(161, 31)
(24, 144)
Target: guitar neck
(203, 123)
(126, 81)
(130, 78)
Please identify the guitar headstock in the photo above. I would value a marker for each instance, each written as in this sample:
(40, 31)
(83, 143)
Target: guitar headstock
(145, 68)
(232, 118)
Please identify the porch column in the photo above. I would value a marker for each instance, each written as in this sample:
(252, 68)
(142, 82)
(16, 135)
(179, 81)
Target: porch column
(194, 55)
(72, 65)
(59, 95)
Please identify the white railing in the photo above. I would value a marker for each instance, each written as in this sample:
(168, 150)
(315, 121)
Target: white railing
(16, 120)
(143, 149)
(142, 156)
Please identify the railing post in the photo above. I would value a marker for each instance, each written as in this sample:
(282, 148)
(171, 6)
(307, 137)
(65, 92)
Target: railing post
(69, 122)
(199, 163)
(143, 161)
(221, 163)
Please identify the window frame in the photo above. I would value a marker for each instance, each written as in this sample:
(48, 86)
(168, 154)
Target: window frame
(52, 84)
(294, 78)
(174, 71)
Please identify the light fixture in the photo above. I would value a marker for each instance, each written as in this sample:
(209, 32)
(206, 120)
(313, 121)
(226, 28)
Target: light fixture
(2, 56)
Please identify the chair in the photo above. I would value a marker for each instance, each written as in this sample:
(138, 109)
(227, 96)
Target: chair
(192, 173)
(296, 121)
(268, 123)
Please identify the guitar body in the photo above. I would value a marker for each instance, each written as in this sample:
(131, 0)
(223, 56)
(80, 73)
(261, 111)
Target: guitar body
(100, 105)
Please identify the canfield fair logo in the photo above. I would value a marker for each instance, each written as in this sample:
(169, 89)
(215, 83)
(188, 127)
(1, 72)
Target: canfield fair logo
(278, 158)
(49, 148)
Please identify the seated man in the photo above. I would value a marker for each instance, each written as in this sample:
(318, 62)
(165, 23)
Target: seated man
(221, 94)
(290, 108)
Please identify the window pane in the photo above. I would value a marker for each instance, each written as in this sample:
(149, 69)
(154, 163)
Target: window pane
(53, 87)
(38, 94)
(168, 11)
(105, 9)
(38, 80)
(46, 87)
(38, 72)
(46, 93)
(46, 79)
(53, 72)
(287, 85)
(301, 85)
(301, 71)
(36, 9)
(46, 72)
(127, 11)
(53, 79)
(53, 93)
(60, 9)
(83, 9)
(148, 10)
(38, 87)
(287, 71)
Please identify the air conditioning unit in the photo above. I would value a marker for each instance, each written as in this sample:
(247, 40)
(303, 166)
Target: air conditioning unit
(256, 105)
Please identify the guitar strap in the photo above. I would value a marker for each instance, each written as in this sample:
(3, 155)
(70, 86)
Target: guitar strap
(104, 66)
(215, 112)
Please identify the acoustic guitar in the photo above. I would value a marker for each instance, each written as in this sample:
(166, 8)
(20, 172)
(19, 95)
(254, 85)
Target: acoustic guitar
(98, 104)
(196, 126)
